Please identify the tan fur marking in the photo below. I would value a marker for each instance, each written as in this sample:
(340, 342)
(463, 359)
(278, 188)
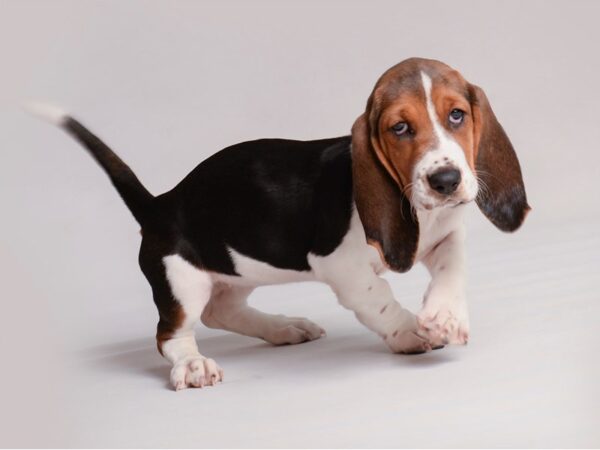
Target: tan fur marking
(168, 326)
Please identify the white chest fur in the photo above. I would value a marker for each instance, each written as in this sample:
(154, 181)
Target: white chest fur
(435, 225)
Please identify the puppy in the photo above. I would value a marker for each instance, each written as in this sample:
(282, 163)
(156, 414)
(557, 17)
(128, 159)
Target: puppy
(338, 210)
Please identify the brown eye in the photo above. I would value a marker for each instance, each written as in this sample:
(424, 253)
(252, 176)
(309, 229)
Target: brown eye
(400, 128)
(456, 116)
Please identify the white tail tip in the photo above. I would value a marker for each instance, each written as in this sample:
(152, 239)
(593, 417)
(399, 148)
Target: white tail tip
(47, 112)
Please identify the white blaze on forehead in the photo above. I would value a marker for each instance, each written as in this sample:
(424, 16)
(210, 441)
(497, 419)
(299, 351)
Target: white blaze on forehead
(446, 144)
(446, 151)
(437, 128)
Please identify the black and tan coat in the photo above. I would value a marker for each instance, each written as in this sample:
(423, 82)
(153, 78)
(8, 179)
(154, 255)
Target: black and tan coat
(337, 210)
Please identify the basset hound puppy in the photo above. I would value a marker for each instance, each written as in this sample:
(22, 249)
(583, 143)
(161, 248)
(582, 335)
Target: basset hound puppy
(338, 210)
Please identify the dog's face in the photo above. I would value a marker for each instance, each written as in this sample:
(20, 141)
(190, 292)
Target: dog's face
(430, 137)
(425, 133)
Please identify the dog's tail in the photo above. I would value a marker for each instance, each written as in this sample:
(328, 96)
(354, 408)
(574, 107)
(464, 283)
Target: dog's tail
(134, 194)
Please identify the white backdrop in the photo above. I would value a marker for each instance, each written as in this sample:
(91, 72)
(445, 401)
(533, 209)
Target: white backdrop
(169, 83)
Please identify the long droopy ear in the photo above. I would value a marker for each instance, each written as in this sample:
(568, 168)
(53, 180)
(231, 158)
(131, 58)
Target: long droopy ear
(383, 209)
(502, 192)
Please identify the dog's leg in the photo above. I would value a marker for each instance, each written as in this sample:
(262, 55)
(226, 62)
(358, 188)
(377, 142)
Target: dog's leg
(444, 316)
(181, 291)
(190, 290)
(372, 300)
(228, 310)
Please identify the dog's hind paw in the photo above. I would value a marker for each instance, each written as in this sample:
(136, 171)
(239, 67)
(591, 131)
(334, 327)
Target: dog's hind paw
(196, 371)
(293, 330)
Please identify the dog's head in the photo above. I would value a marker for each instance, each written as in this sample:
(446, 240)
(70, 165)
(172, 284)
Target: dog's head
(429, 139)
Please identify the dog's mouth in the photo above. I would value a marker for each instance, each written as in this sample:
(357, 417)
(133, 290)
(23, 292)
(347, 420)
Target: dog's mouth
(431, 204)
(460, 203)
(428, 195)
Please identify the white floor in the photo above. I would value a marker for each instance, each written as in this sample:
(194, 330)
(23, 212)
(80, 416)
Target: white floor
(169, 84)
(529, 376)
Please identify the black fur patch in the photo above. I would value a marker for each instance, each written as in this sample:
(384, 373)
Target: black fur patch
(273, 200)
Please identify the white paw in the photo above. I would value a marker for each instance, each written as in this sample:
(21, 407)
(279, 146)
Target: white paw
(406, 339)
(408, 342)
(292, 330)
(444, 324)
(196, 371)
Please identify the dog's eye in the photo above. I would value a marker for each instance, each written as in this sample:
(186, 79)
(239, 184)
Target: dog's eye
(456, 116)
(400, 128)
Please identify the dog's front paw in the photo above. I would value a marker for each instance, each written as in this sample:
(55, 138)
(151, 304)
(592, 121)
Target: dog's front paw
(196, 371)
(405, 339)
(407, 342)
(444, 324)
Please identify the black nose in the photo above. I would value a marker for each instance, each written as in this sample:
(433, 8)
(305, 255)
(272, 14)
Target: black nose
(444, 181)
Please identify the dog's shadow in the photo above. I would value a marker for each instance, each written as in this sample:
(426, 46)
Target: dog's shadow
(339, 355)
